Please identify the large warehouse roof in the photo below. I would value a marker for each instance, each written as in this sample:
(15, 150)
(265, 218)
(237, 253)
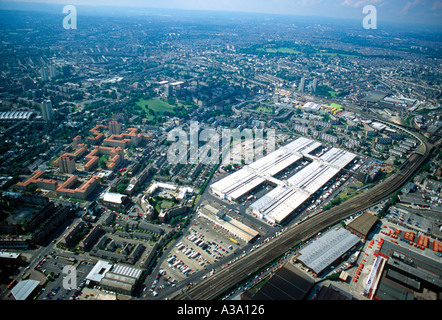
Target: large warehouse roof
(275, 162)
(312, 177)
(302, 145)
(337, 157)
(243, 181)
(279, 203)
(283, 200)
(16, 115)
(126, 271)
(237, 184)
(363, 224)
(121, 278)
(287, 283)
(324, 251)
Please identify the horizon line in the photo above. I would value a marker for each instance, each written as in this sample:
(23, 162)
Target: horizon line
(43, 3)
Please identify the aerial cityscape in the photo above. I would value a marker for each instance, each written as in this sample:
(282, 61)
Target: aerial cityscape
(170, 153)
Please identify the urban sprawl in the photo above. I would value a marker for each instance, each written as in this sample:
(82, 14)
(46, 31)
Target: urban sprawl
(87, 185)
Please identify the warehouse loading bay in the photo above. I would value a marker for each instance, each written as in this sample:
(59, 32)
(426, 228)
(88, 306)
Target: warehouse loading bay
(342, 185)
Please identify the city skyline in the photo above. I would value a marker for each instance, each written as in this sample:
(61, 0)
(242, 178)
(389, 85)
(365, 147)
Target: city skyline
(409, 12)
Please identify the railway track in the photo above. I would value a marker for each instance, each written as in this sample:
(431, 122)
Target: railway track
(224, 279)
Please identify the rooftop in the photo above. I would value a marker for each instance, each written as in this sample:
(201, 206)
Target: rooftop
(232, 225)
(24, 288)
(98, 271)
(327, 249)
(243, 181)
(116, 198)
(363, 223)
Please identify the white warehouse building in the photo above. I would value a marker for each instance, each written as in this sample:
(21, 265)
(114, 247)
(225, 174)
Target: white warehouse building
(279, 203)
(251, 176)
(326, 250)
(288, 195)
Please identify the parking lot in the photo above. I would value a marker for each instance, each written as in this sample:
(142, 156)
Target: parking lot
(203, 244)
(52, 267)
(411, 218)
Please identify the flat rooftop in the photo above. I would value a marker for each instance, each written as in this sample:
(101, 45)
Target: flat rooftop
(288, 283)
(280, 202)
(24, 288)
(237, 184)
(284, 199)
(408, 273)
(249, 177)
(98, 271)
(233, 226)
(363, 223)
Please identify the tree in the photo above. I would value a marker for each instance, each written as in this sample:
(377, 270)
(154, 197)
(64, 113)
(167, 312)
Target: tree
(121, 187)
(31, 188)
(102, 162)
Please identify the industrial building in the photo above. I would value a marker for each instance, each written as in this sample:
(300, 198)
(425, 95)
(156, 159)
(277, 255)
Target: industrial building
(288, 195)
(226, 222)
(121, 279)
(362, 225)
(404, 274)
(114, 277)
(16, 115)
(237, 184)
(279, 203)
(276, 205)
(328, 249)
(25, 289)
(287, 283)
(250, 177)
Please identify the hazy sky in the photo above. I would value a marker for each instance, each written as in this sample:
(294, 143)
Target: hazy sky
(418, 11)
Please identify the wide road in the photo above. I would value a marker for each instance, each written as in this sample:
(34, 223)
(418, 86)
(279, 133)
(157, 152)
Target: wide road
(223, 280)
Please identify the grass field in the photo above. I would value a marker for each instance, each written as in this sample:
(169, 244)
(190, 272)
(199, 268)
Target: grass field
(156, 105)
(164, 204)
(265, 109)
(334, 54)
(337, 106)
(282, 50)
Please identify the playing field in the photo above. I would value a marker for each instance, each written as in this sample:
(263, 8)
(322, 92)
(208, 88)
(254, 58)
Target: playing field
(282, 50)
(156, 105)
